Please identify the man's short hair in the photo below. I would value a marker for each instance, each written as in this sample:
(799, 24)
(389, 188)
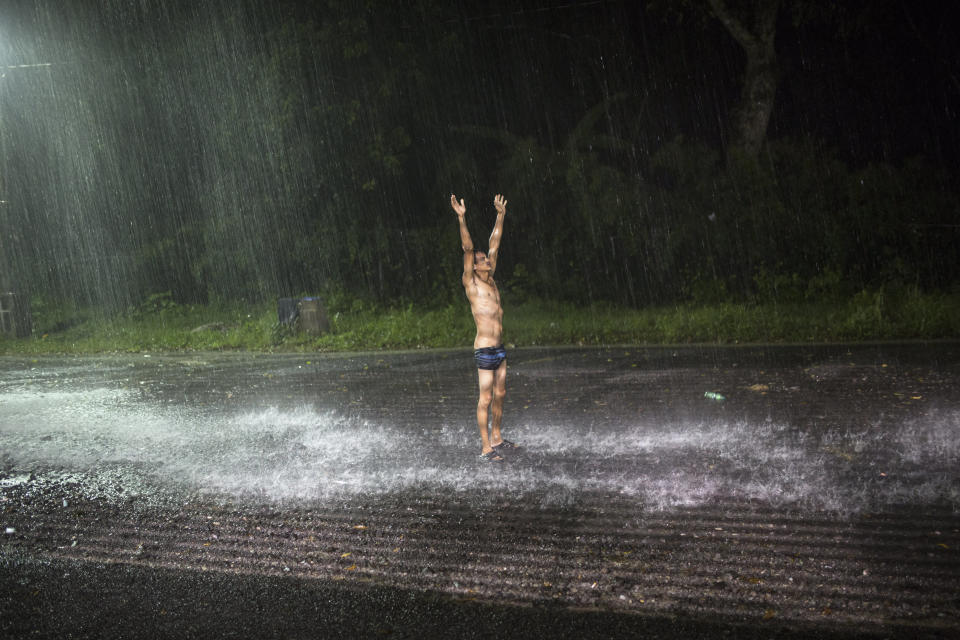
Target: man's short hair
(476, 251)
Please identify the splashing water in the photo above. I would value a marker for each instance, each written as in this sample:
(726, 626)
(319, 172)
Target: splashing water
(114, 445)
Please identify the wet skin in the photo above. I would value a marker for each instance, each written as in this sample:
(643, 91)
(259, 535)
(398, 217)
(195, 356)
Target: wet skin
(484, 298)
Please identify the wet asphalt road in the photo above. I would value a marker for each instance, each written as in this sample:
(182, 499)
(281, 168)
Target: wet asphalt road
(222, 495)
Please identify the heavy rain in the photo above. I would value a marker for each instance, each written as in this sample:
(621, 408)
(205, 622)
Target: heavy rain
(728, 270)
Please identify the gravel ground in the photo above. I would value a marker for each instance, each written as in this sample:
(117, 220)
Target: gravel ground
(321, 496)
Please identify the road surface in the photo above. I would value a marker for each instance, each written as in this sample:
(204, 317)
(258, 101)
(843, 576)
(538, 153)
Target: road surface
(311, 495)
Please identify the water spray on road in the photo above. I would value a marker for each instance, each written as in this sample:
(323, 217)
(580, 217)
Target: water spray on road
(117, 444)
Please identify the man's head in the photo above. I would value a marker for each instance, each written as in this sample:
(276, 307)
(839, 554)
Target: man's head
(480, 261)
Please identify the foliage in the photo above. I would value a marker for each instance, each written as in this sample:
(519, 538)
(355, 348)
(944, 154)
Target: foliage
(156, 304)
(888, 313)
(314, 149)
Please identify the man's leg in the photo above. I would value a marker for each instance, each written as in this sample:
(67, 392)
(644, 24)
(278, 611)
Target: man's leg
(496, 407)
(486, 391)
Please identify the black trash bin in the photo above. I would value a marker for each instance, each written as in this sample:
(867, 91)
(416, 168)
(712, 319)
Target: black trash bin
(288, 310)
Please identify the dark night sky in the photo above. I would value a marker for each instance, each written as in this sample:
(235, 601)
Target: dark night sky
(877, 81)
(883, 88)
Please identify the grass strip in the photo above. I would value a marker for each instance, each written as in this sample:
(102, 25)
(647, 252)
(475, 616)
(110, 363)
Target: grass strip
(866, 316)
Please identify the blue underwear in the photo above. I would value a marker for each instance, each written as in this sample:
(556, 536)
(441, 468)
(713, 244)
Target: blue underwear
(490, 358)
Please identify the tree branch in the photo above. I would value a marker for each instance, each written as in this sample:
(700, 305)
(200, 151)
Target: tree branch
(740, 33)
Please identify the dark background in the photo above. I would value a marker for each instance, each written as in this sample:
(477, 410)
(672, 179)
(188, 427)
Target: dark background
(225, 150)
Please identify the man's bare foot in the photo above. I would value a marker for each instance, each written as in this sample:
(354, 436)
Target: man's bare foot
(491, 456)
(506, 445)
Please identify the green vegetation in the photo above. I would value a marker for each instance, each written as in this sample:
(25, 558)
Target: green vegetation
(163, 325)
(159, 169)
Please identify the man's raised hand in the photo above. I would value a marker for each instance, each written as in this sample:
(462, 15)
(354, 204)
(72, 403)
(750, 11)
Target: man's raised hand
(500, 203)
(459, 207)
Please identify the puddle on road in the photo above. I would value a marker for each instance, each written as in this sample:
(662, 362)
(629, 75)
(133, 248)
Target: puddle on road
(114, 446)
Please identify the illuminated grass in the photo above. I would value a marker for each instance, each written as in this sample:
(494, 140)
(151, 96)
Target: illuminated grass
(866, 316)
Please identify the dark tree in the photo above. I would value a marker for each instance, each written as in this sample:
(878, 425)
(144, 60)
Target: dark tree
(755, 29)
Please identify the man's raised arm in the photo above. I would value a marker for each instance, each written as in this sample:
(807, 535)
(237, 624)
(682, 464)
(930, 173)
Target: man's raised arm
(500, 203)
(465, 240)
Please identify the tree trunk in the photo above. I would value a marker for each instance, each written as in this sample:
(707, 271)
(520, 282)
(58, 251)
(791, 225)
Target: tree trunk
(752, 115)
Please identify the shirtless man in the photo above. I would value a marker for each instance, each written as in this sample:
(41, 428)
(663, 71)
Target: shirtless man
(489, 353)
